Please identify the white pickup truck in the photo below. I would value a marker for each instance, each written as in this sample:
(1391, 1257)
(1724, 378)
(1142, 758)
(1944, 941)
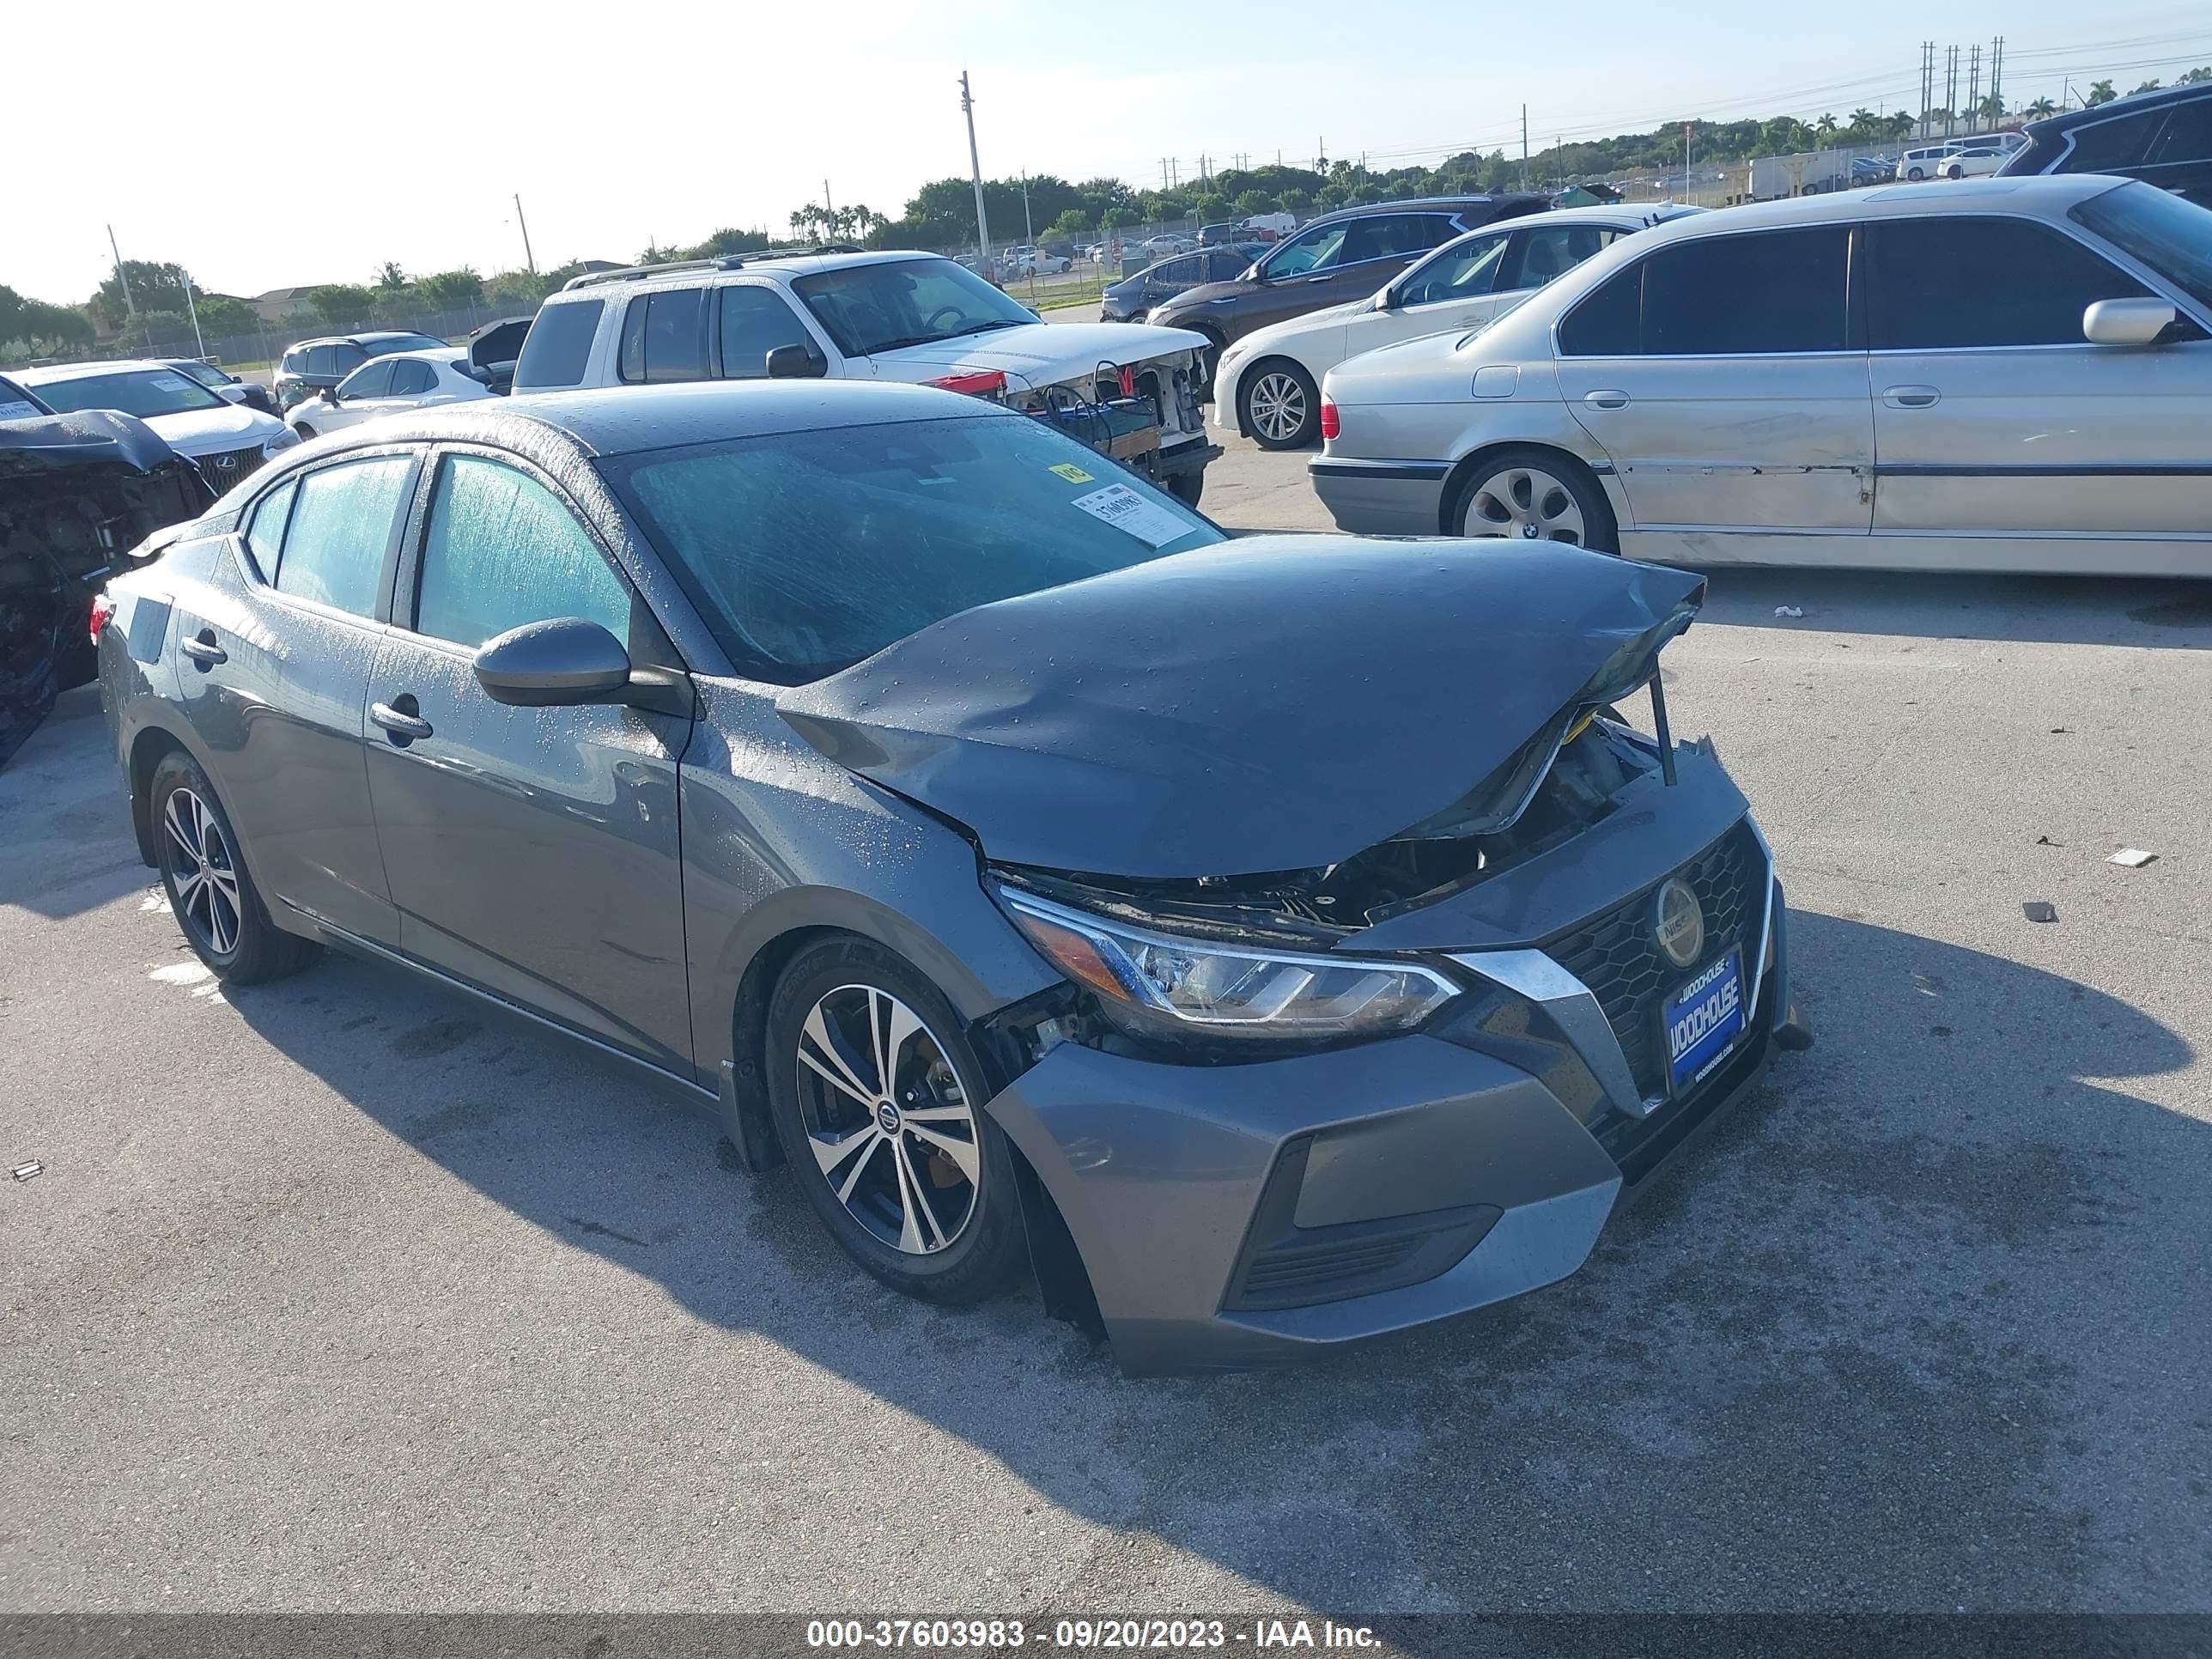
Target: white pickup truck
(918, 318)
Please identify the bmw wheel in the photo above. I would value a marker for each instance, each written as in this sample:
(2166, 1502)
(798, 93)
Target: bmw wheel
(1279, 404)
(878, 1100)
(1537, 495)
(211, 892)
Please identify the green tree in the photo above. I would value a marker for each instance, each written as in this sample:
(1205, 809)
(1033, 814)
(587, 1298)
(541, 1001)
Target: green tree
(1991, 109)
(341, 305)
(223, 316)
(156, 285)
(35, 326)
(2101, 92)
(1119, 218)
(1071, 226)
(165, 330)
(1295, 200)
(1825, 128)
(2040, 108)
(2148, 86)
(390, 279)
(1254, 201)
(2197, 77)
(449, 290)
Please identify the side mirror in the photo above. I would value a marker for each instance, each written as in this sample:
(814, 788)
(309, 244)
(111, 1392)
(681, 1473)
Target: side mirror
(330, 394)
(796, 362)
(550, 665)
(2126, 322)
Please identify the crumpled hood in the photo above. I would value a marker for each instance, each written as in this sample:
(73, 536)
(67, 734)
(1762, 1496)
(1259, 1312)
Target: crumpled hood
(1275, 702)
(1041, 354)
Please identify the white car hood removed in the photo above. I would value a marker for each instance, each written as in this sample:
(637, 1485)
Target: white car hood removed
(1039, 354)
(210, 431)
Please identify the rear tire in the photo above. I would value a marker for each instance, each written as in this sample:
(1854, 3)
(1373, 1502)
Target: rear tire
(1529, 493)
(211, 893)
(1188, 487)
(906, 1170)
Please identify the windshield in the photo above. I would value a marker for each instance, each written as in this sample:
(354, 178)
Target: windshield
(870, 308)
(808, 551)
(2172, 236)
(1314, 250)
(145, 392)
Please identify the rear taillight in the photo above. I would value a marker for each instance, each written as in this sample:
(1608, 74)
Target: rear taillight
(1329, 427)
(103, 608)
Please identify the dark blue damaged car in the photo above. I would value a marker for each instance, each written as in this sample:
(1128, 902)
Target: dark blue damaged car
(1266, 943)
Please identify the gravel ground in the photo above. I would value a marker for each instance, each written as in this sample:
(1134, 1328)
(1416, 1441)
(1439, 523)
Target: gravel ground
(345, 1294)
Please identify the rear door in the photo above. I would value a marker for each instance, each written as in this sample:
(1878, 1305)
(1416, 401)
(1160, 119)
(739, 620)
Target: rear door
(362, 395)
(664, 337)
(2180, 158)
(274, 681)
(1720, 375)
(1994, 417)
(531, 851)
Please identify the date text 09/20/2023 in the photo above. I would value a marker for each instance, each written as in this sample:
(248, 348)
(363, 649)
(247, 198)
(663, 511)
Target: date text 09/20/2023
(1005, 1635)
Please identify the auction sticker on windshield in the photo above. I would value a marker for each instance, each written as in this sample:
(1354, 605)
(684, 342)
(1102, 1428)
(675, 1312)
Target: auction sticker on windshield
(1125, 509)
(1703, 1019)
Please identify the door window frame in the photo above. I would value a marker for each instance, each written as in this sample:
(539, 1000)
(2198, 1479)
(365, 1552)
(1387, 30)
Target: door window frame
(1854, 332)
(823, 348)
(263, 584)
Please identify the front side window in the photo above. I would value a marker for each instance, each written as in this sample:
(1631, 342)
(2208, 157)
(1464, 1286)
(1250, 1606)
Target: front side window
(558, 347)
(2005, 282)
(1546, 252)
(2172, 236)
(1321, 248)
(145, 392)
(371, 380)
(346, 356)
(1467, 270)
(502, 551)
(664, 337)
(808, 551)
(341, 525)
(1775, 291)
(755, 322)
(883, 307)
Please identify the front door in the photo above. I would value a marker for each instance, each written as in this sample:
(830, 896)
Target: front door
(1717, 375)
(532, 852)
(1994, 418)
(273, 683)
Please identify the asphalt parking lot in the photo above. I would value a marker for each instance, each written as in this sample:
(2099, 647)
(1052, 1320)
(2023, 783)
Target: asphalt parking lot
(344, 1294)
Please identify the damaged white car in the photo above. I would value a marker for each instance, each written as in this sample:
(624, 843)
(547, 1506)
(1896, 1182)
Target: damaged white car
(1127, 390)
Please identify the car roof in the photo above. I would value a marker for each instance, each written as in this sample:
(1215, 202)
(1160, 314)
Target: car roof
(427, 355)
(54, 373)
(2046, 195)
(686, 274)
(2067, 120)
(629, 420)
(366, 335)
(1429, 203)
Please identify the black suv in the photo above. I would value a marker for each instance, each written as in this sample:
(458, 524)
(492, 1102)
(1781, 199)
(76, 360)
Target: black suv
(315, 365)
(2163, 138)
(1340, 256)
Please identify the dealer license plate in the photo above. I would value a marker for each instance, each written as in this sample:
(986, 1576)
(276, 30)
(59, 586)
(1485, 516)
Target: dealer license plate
(1703, 1019)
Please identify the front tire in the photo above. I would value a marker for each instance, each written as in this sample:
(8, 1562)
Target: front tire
(877, 1097)
(1916, 175)
(305, 431)
(1279, 404)
(1532, 494)
(1188, 487)
(210, 891)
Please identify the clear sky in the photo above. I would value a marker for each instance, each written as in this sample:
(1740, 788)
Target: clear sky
(309, 142)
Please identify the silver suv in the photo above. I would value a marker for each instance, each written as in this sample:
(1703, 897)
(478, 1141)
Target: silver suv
(1130, 391)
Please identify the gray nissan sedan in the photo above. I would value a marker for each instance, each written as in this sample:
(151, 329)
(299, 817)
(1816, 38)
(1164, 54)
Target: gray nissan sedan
(1266, 943)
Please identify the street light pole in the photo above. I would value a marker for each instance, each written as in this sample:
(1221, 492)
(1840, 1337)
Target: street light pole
(976, 171)
(122, 277)
(522, 224)
(193, 311)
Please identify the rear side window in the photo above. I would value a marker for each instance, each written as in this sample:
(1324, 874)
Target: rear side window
(341, 525)
(2123, 141)
(346, 355)
(2004, 282)
(502, 550)
(755, 322)
(1778, 291)
(1395, 235)
(264, 534)
(1544, 252)
(322, 359)
(664, 337)
(558, 347)
(412, 379)
(2187, 136)
(1608, 323)
(293, 362)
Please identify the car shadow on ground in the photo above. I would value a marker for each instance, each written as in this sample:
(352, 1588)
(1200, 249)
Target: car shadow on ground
(62, 803)
(1928, 605)
(1840, 1357)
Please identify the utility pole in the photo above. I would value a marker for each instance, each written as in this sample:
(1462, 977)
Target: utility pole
(199, 339)
(522, 224)
(1950, 89)
(976, 171)
(1524, 146)
(1926, 84)
(1974, 87)
(1996, 74)
(1029, 230)
(130, 310)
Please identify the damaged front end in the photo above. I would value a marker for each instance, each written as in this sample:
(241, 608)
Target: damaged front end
(77, 492)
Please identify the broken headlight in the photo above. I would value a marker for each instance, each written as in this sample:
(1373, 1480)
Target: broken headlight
(1170, 984)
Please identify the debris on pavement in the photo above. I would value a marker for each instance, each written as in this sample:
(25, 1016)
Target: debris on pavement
(2131, 858)
(2038, 910)
(1788, 610)
(29, 1171)
(2046, 841)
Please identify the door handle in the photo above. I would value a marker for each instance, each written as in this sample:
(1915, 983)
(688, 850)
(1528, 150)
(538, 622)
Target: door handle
(1911, 397)
(1323, 278)
(402, 725)
(203, 650)
(1607, 398)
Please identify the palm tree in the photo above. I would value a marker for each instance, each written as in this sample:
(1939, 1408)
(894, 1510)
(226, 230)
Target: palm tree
(2148, 86)
(2040, 108)
(1991, 109)
(2101, 92)
(1824, 128)
(1865, 121)
(389, 277)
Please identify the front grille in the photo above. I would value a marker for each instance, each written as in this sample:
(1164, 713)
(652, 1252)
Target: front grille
(1617, 955)
(230, 466)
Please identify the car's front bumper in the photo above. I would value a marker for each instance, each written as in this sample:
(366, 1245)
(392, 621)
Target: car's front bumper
(1382, 498)
(1229, 1216)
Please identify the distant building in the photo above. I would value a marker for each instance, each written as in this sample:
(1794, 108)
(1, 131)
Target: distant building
(283, 305)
